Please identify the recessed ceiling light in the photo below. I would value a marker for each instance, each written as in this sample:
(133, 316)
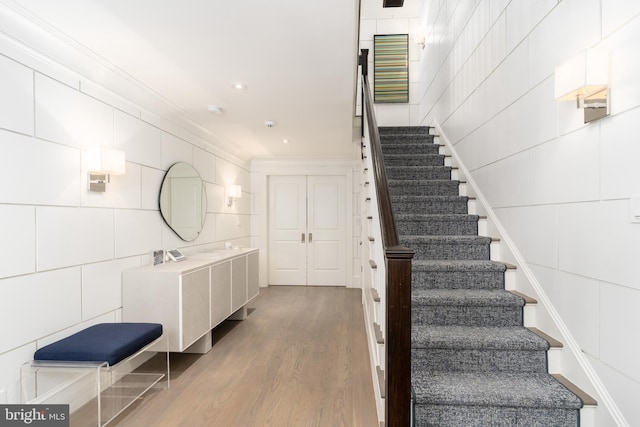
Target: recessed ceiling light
(214, 109)
(285, 141)
(239, 86)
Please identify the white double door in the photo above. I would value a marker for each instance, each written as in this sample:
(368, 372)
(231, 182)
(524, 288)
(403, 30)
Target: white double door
(307, 225)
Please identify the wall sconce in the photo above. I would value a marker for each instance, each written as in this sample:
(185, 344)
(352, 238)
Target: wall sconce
(101, 164)
(585, 79)
(233, 192)
(419, 37)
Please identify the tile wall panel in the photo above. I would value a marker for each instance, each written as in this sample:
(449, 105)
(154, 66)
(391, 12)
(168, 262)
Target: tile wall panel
(69, 236)
(18, 226)
(70, 117)
(175, 150)
(136, 232)
(151, 181)
(102, 286)
(615, 13)
(567, 169)
(577, 300)
(216, 201)
(597, 240)
(624, 66)
(579, 238)
(619, 245)
(497, 8)
(392, 26)
(38, 172)
(620, 154)
(522, 17)
(16, 103)
(227, 227)
(205, 164)
(623, 390)
(141, 142)
(10, 364)
(619, 306)
(534, 230)
(572, 26)
(492, 139)
(37, 305)
(510, 180)
(208, 233)
(532, 119)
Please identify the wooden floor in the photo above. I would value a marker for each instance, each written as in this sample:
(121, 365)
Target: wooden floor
(299, 359)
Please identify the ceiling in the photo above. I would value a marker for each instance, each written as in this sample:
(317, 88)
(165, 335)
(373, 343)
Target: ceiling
(297, 58)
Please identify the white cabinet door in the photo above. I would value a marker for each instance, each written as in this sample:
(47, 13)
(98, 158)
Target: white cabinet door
(238, 282)
(307, 227)
(253, 275)
(195, 306)
(220, 292)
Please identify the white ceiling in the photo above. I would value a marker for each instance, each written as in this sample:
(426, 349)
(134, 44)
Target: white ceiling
(298, 59)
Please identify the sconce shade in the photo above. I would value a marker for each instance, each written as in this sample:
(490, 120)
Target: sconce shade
(105, 160)
(419, 37)
(234, 191)
(583, 75)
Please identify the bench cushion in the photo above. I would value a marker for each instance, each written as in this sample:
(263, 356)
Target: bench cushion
(105, 342)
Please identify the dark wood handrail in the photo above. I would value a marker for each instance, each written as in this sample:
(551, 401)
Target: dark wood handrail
(398, 280)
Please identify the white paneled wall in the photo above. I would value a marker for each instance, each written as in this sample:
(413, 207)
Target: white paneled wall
(560, 187)
(64, 248)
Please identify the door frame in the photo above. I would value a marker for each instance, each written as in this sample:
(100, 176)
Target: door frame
(264, 168)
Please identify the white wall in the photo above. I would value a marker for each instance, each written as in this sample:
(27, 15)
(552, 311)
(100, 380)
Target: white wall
(560, 187)
(63, 247)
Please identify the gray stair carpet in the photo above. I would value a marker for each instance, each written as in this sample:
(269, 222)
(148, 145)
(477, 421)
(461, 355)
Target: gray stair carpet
(473, 363)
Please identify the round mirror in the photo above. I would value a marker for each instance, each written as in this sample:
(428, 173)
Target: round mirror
(183, 201)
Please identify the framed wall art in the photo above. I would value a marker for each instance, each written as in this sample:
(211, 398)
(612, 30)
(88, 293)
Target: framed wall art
(391, 68)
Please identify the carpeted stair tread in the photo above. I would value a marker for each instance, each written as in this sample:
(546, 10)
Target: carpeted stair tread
(404, 130)
(457, 274)
(438, 224)
(411, 173)
(413, 159)
(458, 266)
(417, 147)
(425, 187)
(467, 297)
(437, 217)
(448, 247)
(430, 204)
(505, 389)
(466, 307)
(476, 337)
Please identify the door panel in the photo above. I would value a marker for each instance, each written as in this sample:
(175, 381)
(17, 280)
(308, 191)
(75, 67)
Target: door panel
(307, 225)
(287, 223)
(326, 224)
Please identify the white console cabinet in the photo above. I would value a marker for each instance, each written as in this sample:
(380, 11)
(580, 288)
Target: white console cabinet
(189, 298)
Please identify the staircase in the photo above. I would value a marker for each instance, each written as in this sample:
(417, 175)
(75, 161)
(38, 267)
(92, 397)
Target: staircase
(473, 362)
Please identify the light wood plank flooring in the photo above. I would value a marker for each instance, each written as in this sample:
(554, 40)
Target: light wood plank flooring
(299, 359)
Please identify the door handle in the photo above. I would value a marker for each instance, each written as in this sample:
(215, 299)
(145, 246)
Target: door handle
(310, 237)
(302, 238)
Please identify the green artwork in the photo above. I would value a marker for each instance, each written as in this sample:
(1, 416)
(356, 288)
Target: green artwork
(391, 68)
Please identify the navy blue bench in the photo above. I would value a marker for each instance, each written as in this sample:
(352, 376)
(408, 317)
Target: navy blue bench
(104, 342)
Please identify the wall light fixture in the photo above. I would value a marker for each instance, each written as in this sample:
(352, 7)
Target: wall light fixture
(101, 164)
(419, 37)
(233, 192)
(585, 80)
